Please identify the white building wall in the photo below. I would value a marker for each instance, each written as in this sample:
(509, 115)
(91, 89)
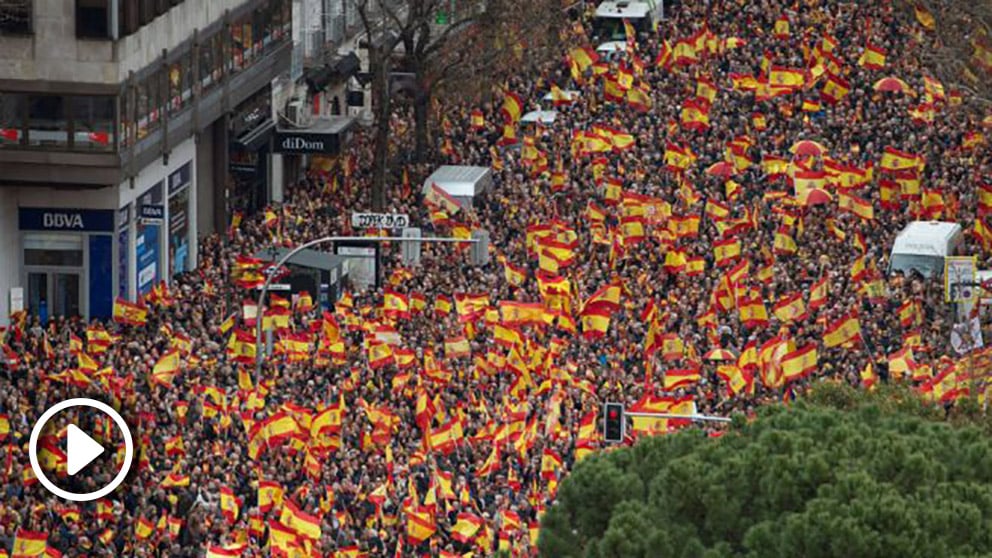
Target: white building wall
(9, 247)
(53, 52)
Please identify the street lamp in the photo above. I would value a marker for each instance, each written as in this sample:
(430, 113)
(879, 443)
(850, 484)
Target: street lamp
(260, 312)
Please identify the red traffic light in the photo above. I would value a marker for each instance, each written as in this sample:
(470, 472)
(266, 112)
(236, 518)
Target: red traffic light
(613, 414)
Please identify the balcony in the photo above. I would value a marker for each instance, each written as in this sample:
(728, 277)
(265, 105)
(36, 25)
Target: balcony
(96, 141)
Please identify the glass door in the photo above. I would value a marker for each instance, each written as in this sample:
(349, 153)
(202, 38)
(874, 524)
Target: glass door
(38, 295)
(66, 294)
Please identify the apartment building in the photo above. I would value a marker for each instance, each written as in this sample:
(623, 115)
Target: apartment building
(118, 119)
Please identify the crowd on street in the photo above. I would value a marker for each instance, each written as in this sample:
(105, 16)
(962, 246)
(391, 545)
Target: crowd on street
(703, 229)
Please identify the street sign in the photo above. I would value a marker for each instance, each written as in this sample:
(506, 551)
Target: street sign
(959, 278)
(380, 220)
(277, 287)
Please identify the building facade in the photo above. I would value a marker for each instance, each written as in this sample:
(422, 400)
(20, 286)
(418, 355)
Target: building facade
(122, 127)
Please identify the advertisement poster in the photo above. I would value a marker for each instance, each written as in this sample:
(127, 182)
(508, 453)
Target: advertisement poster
(179, 182)
(146, 239)
(146, 256)
(123, 250)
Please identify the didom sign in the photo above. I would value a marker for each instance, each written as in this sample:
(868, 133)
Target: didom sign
(305, 143)
(53, 219)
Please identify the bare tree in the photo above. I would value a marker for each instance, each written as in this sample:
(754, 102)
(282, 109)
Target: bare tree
(480, 43)
(959, 24)
(380, 18)
(483, 43)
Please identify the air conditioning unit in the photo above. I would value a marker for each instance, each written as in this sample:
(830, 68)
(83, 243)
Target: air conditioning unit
(295, 111)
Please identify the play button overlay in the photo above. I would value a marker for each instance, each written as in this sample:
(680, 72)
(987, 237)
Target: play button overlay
(81, 449)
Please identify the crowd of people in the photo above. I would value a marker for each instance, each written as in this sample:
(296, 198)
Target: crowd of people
(433, 416)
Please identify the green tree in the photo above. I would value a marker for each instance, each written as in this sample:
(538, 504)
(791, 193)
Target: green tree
(842, 473)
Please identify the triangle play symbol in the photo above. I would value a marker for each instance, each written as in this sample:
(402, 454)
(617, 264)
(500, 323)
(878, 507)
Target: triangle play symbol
(81, 450)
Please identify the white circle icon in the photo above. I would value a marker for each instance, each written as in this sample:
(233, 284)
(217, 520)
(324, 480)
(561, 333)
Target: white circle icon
(81, 449)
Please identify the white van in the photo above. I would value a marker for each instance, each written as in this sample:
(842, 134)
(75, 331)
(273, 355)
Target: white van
(644, 15)
(923, 245)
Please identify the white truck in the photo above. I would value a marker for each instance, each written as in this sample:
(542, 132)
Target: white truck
(923, 246)
(644, 15)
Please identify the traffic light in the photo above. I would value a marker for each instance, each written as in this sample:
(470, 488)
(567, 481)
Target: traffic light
(614, 425)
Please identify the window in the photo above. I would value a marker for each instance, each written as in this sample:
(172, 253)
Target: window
(93, 19)
(15, 17)
(150, 103)
(126, 119)
(146, 11)
(93, 122)
(12, 114)
(129, 17)
(48, 124)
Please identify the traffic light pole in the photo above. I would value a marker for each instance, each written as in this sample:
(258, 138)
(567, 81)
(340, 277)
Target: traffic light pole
(703, 418)
(271, 271)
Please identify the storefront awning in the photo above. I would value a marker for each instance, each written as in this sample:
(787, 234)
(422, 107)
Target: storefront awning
(257, 137)
(324, 136)
(335, 71)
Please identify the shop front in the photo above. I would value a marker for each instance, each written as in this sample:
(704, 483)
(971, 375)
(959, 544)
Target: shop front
(156, 224)
(325, 138)
(67, 261)
(248, 157)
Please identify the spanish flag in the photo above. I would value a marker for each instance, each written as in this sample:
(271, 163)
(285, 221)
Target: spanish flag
(786, 77)
(790, 308)
(143, 528)
(675, 379)
(799, 363)
(782, 27)
(844, 330)
(466, 527)
(677, 157)
(395, 305)
(695, 116)
(595, 323)
(270, 494)
(166, 368)
(509, 135)
(129, 313)
(86, 362)
(607, 298)
(784, 244)
(230, 505)
(514, 275)
(753, 312)
(28, 544)
(300, 522)
(478, 121)
(420, 524)
(457, 347)
(872, 58)
(512, 107)
(726, 251)
(380, 354)
(215, 551)
(227, 324)
(522, 313)
(583, 57)
(738, 381)
(835, 89)
(853, 204)
(895, 160)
